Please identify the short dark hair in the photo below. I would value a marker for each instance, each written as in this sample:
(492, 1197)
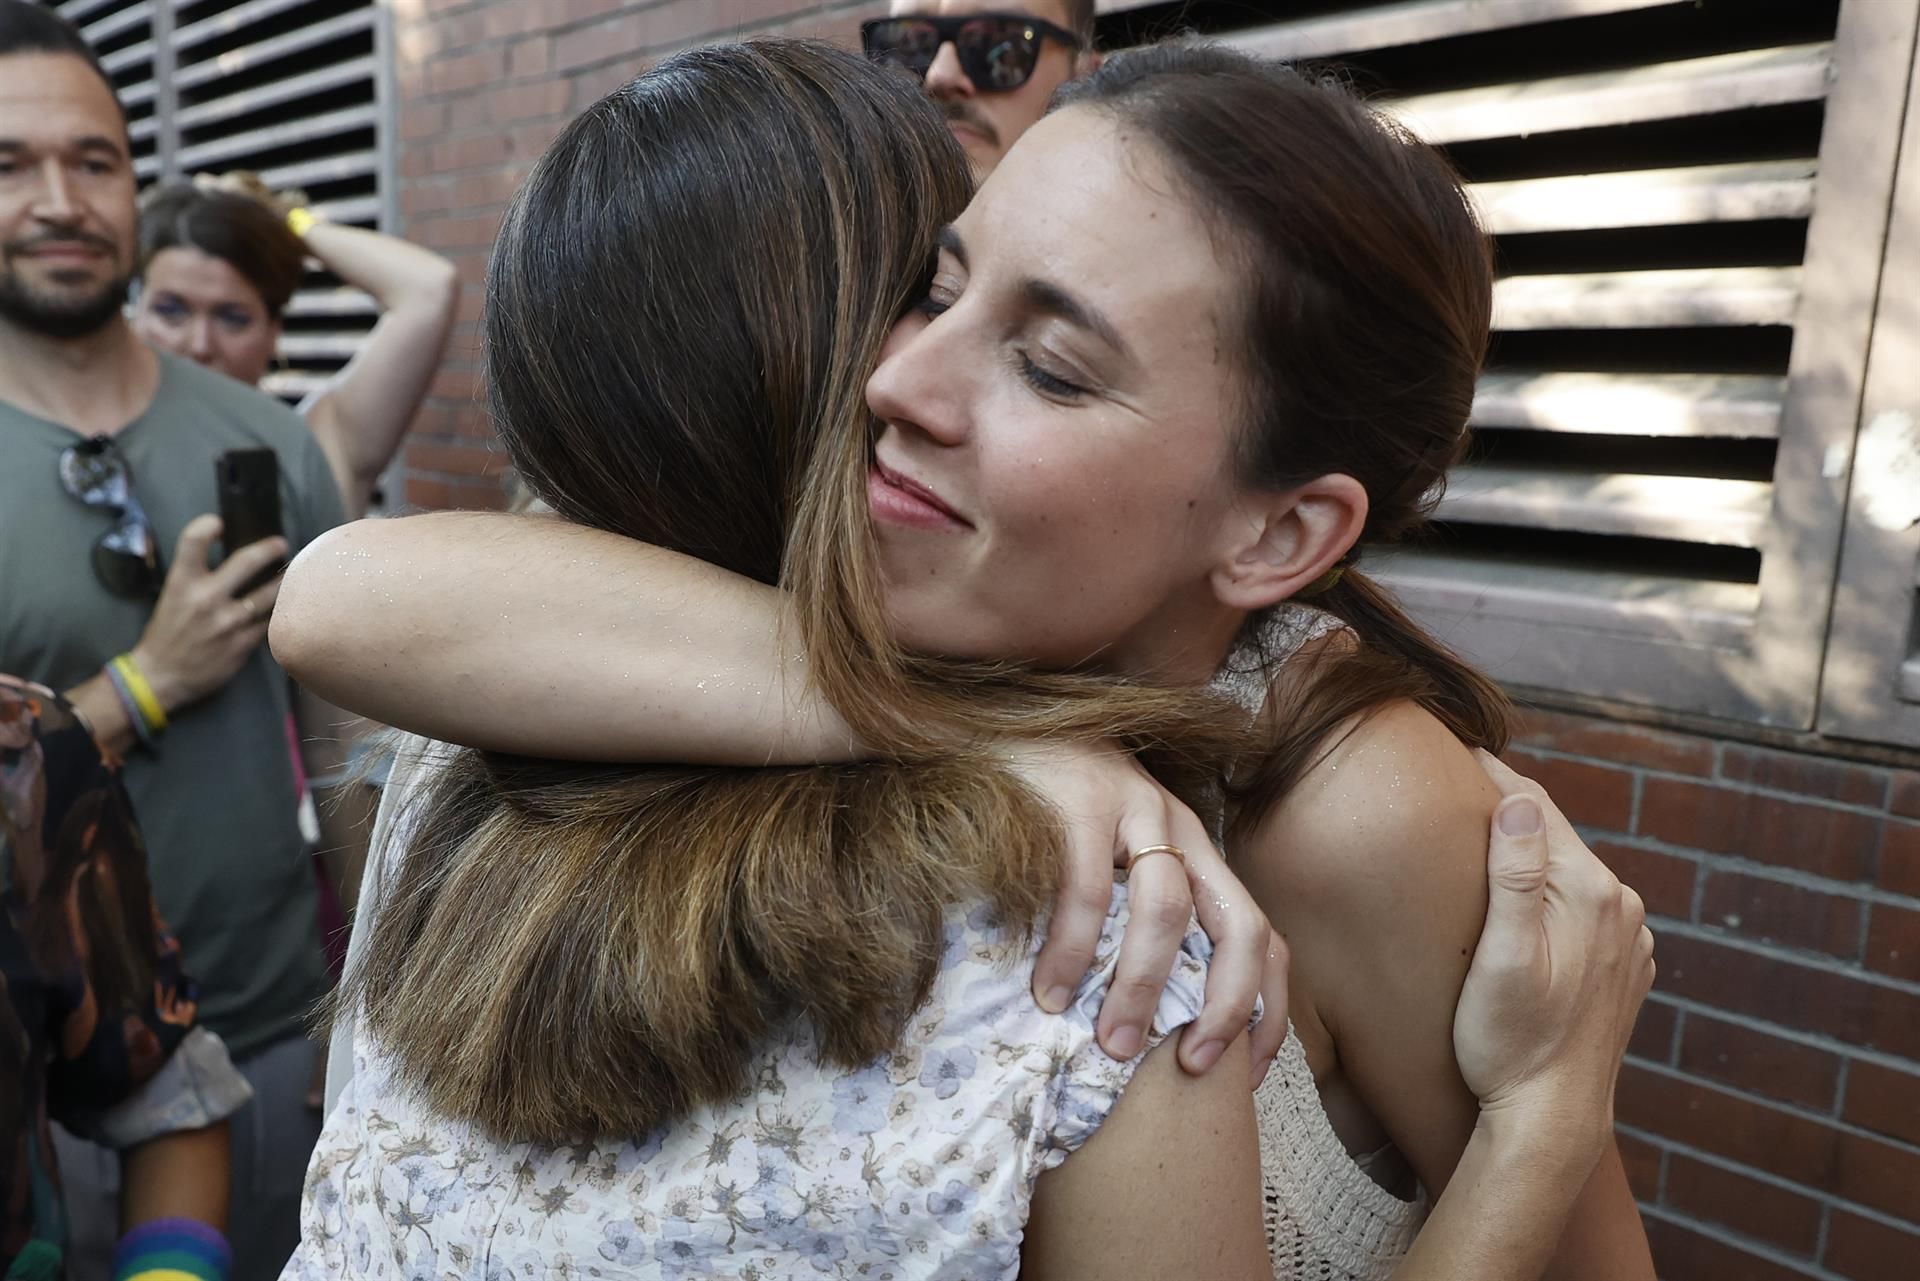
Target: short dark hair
(26, 27)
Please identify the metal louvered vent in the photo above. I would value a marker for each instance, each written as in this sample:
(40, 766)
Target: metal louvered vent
(1690, 203)
(291, 89)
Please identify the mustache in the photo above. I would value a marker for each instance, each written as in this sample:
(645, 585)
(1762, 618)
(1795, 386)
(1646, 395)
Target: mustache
(73, 236)
(962, 111)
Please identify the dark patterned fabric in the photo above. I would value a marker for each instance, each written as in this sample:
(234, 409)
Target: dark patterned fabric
(92, 996)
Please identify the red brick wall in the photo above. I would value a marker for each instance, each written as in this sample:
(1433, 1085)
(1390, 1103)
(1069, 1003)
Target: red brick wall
(1770, 1110)
(484, 85)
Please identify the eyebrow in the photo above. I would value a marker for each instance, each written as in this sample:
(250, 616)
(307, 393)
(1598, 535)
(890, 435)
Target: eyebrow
(1049, 299)
(92, 142)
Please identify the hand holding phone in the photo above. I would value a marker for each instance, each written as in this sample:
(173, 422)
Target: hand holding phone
(248, 482)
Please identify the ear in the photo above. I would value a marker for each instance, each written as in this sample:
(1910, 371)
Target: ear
(1288, 541)
(1086, 62)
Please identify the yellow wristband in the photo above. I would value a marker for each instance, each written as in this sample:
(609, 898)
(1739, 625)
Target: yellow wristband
(300, 220)
(143, 695)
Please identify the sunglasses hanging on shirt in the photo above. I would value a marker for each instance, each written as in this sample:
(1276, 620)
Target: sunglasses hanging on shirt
(125, 558)
(997, 51)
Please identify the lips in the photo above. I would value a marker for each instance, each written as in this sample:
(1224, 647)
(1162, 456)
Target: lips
(900, 500)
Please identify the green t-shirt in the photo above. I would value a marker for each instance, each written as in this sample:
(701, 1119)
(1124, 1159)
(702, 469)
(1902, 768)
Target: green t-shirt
(216, 800)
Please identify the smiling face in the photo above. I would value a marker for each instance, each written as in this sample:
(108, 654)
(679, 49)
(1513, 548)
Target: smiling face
(199, 306)
(1053, 475)
(988, 124)
(66, 197)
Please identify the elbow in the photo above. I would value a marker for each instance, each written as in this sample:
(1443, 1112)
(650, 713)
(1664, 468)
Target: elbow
(304, 632)
(443, 287)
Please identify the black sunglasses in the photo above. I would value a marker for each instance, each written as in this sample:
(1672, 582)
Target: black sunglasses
(125, 558)
(998, 51)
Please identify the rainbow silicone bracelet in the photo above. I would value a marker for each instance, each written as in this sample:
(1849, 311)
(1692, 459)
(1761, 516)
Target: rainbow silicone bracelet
(173, 1250)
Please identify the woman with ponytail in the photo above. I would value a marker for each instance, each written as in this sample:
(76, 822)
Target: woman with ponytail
(1208, 328)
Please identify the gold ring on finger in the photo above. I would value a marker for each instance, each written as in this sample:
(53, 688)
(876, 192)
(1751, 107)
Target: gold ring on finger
(1173, 850)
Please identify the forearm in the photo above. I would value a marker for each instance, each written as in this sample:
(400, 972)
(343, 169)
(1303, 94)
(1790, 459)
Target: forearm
(176, 1176)
(530, 635)
(1507, 1205)
(396, 272)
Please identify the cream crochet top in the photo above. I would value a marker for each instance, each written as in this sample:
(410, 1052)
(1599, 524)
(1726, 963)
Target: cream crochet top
(1327, 1219)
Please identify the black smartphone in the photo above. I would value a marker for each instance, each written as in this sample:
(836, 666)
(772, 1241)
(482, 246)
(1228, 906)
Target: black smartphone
(249, 484)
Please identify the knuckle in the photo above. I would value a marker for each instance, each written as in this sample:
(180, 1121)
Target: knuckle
(1167, 910)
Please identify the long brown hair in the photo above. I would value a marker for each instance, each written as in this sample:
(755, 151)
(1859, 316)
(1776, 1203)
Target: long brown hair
(684, 303)
(238, 229)
(1366, 320)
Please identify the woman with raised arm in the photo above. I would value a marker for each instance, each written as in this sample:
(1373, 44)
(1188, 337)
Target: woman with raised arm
(1171, 375)
(220, 259)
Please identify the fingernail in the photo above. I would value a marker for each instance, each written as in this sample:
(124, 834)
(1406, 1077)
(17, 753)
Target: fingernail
(1124, 1042)
(1520, 816)
(1206, 1055)
(1055, 999)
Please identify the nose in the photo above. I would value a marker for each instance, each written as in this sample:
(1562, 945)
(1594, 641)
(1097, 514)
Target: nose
(945, 79)
(918, 386)
(200, 339)
(55, 202)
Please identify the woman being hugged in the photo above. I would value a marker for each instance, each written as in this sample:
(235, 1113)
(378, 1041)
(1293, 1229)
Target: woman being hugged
(1168, 372)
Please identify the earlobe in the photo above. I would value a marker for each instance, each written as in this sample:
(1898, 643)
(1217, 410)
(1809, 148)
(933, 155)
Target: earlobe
(1292, 540)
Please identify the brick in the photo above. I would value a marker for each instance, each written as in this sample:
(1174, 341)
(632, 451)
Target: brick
(1642, 1162)
(1815, 838)
(1663, 881)
(441, 495)
(473, 461)
(1653, 1032)
(1904, 798)
(601, 42)
(1764, 1211)
(528, 58)
(1780, 913)
(1755, 1061)
(514, 104)
(478, 151)
(1900, 858)
(1780, 989)
(1742, 1130)
(1591, 795)
(466, 71)
(1616, 741)
(1893, 941)
(1833, 780)
(474, 231)
(422, 120)
(1867, 1250)
(1879, 1175)
(1884, 1100)
(1680, 1254)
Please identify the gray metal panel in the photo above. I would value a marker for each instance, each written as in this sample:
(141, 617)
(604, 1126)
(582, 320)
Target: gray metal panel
(250, 56)
(1734, 405)
(1410, 22)
(277, 92)
(300, 129)
(1648, 299)
(230, 20)
(1648, 198)
(1693, 509)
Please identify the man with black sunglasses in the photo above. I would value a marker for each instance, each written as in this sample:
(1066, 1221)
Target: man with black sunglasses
(991, 65)
(107, 591)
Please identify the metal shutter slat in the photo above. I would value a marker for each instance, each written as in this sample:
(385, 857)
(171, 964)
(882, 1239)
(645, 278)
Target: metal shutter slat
(1694, 509)
(1648, 198)
(1910, 680)
(258, 54)
(1632, 95)
(352, 209)
(1413, 21)
(232, 20)
(139, 95)
(323, 346)
(332, 302)
(292, 133)
(1648, 299)
(267, 95)
(76, 11)
(292, 385)
(131, 56)
(1690, 611)
(357, 164)
(1746, 406)
(146, 167)
(144, 130)
(118, 23)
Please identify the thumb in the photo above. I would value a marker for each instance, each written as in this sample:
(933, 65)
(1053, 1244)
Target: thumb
(1516, 872)
(196, 540)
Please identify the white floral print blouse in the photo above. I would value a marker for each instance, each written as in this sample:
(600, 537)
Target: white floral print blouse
(920, 1165)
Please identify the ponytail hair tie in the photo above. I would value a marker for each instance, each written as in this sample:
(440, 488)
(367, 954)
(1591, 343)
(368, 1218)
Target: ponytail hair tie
(1323, 584)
